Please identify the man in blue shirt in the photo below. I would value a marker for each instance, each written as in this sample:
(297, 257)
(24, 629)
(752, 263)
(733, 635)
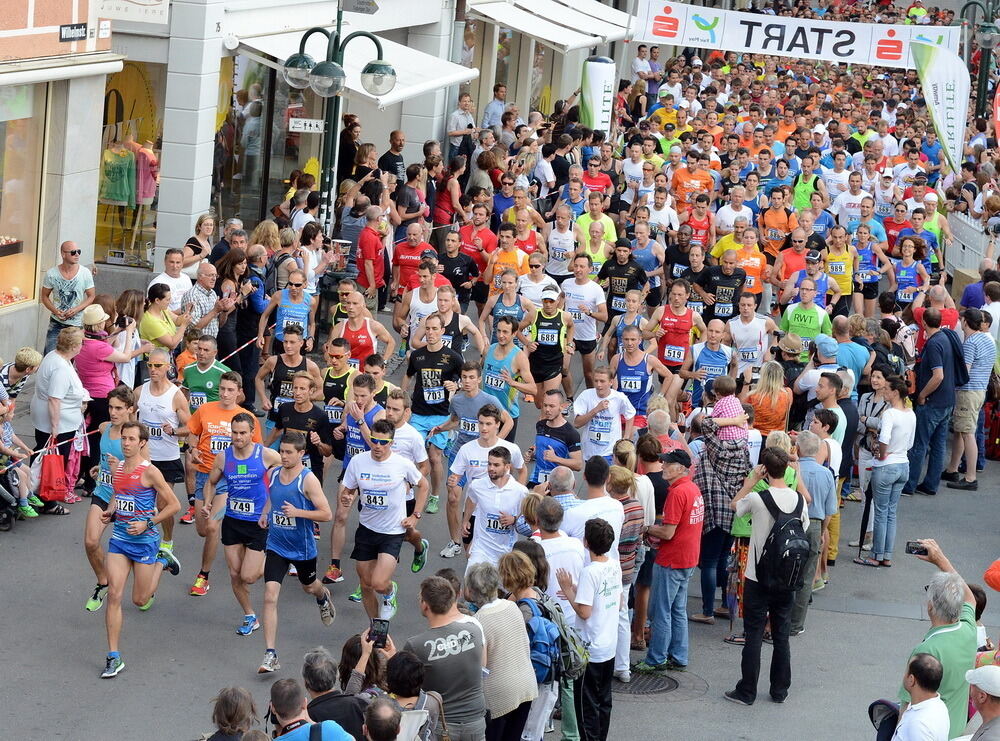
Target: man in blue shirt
(495, 108)
(850, 354)
(820, 482)
(931, 148)
(288, 706)
(933, 406)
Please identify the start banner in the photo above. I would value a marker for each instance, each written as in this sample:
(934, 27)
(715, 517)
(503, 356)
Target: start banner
(874, 44)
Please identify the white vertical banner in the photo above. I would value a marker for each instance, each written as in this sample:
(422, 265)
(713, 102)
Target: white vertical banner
(701, 27)
(946, 85)
(597, 93)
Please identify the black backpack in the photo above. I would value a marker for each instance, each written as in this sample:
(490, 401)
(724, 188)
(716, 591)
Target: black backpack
(781, 566)
(271, 273)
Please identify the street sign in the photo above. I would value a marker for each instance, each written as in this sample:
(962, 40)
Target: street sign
(366, 7)
(306, 125)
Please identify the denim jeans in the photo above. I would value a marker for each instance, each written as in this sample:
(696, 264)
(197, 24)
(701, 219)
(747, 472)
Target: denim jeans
(52, 334)
(715, 545)
(668, 613)
(887, 485)
(930, 441)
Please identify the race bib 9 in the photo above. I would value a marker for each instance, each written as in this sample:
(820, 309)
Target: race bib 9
(600, 430)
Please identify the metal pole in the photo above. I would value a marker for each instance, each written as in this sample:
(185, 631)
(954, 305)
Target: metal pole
(983, 81)
(331, 134)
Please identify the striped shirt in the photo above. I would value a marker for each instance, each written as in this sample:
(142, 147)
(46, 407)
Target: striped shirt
(980, 352)
(631, 536)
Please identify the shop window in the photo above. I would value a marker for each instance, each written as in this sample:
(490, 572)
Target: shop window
(541, 79)
(508, 53)
(472, 53)
(130, 165)
(22, 128)
(292, 149)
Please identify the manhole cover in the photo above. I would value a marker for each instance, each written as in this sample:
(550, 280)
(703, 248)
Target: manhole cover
(646, 684)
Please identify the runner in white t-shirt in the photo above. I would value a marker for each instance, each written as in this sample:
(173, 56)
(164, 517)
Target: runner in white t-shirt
(586, 303)
(409, 443)
(600, 411)
(596, 503)
(381, 478)
(495, 499)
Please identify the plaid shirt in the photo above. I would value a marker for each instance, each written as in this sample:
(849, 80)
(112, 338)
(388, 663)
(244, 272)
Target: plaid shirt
(202, 301)
(723, 468)
(726, 408)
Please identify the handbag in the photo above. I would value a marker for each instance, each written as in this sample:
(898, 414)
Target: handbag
(52, 478)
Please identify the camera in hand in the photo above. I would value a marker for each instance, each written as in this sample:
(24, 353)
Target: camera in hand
(914, 548)
(379, 632)
(123, 321)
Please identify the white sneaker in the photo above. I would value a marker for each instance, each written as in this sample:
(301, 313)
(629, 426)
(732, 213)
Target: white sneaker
(388, 608)
(624, 676)
(451, 550)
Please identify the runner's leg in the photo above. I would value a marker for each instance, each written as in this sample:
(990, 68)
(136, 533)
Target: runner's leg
(93, 530)
(370, 600)
(145, 580)
(117, 567)
(235, 556)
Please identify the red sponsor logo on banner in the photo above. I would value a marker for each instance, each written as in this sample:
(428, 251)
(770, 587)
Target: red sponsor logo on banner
(889, 48)
(665, 25)
(996, 110)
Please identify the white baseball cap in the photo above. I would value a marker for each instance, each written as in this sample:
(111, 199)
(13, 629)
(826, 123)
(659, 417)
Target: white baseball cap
(986, 678)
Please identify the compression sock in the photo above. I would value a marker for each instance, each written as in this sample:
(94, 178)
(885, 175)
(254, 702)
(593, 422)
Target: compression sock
(335, 562)
(203, 573)
(167, 545)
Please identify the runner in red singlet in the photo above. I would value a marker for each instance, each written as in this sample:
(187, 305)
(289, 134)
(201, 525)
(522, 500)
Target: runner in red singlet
(363, 333)
(671, 326)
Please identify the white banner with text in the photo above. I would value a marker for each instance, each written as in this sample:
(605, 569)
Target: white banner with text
(874, 44)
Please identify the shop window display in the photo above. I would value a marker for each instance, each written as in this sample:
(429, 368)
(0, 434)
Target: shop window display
(22, 128)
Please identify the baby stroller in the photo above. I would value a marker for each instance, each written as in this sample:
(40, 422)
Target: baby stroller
(8, 502)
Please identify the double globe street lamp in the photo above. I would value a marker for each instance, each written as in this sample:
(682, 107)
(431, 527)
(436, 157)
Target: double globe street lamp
(327, 79)
(987, 37)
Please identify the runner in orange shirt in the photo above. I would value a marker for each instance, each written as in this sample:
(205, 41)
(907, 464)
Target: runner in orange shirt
(209, 434)
(776, 223)
(507, 255)
(754, 263)
(691, 180)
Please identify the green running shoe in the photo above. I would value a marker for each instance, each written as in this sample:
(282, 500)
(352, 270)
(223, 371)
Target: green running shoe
(26, 511)
(35, 501)
(113, 668)
(96, 600)
(145, 607)
(419, 559)
(355, 595)
(432, 506)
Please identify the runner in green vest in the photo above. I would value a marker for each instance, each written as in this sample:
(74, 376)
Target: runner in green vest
(805, 184)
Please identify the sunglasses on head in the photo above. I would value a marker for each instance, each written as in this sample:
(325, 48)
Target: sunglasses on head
(381, 440)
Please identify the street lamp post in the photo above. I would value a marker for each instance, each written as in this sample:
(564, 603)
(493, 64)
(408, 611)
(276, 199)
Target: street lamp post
(327, 79)
(987, 36)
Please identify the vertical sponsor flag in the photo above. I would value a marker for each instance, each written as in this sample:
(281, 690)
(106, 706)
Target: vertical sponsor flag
(946, 85)
(597, 93)
(996, 110)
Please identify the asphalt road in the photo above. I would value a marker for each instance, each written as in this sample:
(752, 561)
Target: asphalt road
(179, 654)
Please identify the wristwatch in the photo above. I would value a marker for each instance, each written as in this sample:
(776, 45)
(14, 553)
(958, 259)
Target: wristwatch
(417, 514)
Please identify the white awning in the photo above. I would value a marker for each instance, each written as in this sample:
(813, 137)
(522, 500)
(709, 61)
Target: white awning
(597, 9)
(558, 31)
(417, 73)
(574, 18)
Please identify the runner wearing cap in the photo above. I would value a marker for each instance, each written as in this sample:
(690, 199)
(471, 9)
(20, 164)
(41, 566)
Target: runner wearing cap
(812, 271)
(619, 276)
(547, 333)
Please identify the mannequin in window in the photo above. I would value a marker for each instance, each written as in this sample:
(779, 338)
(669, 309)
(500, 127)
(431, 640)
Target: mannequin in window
(117, 188)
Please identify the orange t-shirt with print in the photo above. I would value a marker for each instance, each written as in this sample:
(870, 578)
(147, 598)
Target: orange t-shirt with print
(686, 185)
(516, 260)
(213, 426)
(754, 263)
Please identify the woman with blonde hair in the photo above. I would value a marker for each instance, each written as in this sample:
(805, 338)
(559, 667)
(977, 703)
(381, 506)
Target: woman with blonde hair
(365, 160)
(624, 454)
(199, 246)
(266, 233)
(638, 101)
(770, 398)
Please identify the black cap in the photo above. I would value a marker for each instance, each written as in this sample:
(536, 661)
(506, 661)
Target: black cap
(676, 456)
(812, 256)
(428, 253)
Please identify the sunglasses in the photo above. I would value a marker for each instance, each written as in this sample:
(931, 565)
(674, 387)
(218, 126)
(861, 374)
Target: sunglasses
(342, 294)
(338, 357)
(296, 285)
(156, 365)
(798, 241)
(381, 440)
(534, 266)
(73, 252)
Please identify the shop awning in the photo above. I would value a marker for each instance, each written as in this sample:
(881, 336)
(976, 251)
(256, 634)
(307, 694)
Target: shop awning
(557, 25)
(602, 12)
(417, 72)
(577, 17)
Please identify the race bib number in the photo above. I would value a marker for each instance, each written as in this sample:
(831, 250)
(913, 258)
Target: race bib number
(353, 450)
(723, 309)
(354, 363)
(446, 340)
(218, 443)
(542, 476)
(279, 400)
(600, 430)
(558, 253)
(713, 371)
(242, 506)
(673, 354)
(197, 399)
(493, 525)
(496, 382)
(374, 500)
(125, 506)
(904, 294)
(155, 431)
(677, 270)
(696, 306)
(577, 315)
(835, 268)
(548, 337)
(290, 323)
(334, 413)
(434, 394)
(104, 478)
(280, 519)
(618, 303)
(496, 281)
(629, 385)
(751, 281)
(748, 354)
(468, 426)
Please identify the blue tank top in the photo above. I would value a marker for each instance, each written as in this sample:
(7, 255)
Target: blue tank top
(754, 205)
(290, 537)
(646, 259)
(515, 312)
(133, 502)
(634, 382)
(623, 325)
(822, 285)
(868, 263)
(715, 363)
(906, 277)
(356, 443)
(493, 383)
(247, 487)
(108, 447)
(289, 313)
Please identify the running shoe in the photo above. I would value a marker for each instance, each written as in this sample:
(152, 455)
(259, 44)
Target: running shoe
(149, 604)
(188, 517)
(72, 498)
(355, 596)
(432, 506)
(35, 501)
(113, 668)
(200, 587)
(26, 511)
(250, 624)
(389, 604)
(327, 612)
(169, 560)
(624, 676)
(270, 663)
(644, 667)
(292, 571)
(333, 575)
(419, 559)
(96, 600)
(818, 584)
(451, 550)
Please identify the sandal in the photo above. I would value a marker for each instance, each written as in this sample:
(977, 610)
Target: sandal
(736, 640)
(852, 497)
(638, 646)
(54, 508)
(886, 564)
(867, 562)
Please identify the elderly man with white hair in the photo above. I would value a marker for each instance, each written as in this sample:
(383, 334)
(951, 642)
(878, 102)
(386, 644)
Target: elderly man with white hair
(951, 638)
(984, 691)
